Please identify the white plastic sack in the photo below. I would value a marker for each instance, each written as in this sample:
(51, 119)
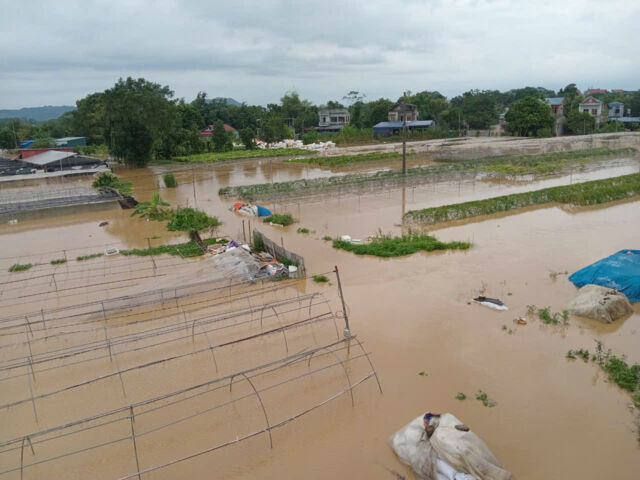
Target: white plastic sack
(414, 449)
(465, 451)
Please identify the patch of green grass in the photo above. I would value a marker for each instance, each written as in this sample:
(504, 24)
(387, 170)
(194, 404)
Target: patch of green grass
(341, 160)
(170, 180)
(283, 219)
(303, 230)
(188, 249)
(58, 261)
(89, 257)
(240, 153)
(461, 396)
(586, 193)
(108, 180)
(388, 246)
(484, 398)
(20, 267)
(327, 238)
(320, 278)
(620, 372)
(547, 316)
(525, 163)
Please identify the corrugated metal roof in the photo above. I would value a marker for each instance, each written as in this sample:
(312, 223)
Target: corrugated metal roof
(46, 158)
(60, 141)
(555, 100)
(628, 119)
(616, 103)
(416, 123)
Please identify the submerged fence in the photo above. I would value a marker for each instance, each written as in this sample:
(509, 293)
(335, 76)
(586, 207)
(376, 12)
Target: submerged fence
(279, 251)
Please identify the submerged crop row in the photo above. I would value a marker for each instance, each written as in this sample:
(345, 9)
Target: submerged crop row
(240, 153)
(506, 165)
(340, 160)
(587, 193)
(388, 246)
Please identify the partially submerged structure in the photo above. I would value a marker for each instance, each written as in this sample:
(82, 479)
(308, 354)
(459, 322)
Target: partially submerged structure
(620, 271)
(54, 160)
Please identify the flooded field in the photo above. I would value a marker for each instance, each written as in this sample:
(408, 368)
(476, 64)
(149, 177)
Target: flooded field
(554, 417)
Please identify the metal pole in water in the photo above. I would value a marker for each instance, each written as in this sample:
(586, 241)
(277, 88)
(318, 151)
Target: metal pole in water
(347, 330)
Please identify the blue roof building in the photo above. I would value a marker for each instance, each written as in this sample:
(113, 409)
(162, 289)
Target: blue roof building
(386, 129)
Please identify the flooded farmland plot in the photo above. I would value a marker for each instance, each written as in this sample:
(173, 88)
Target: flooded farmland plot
(108, 370)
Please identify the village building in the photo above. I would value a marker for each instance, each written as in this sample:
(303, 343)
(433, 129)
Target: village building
(595, 91)
(208, 131)
(596, 108)
(557, 109)
(403, 112)
(556, 104)
(616, 110)
(332, 119)
(387, 129)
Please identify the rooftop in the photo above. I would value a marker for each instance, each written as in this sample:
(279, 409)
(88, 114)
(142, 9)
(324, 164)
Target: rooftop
(48, 157)
(416, 123)
(555, 100)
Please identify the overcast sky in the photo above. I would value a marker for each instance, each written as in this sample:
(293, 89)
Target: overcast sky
(54, 52)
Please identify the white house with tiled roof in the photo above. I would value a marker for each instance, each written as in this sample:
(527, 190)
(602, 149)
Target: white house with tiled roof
(596, 108)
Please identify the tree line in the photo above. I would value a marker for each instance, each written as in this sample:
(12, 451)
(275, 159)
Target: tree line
(138, 120)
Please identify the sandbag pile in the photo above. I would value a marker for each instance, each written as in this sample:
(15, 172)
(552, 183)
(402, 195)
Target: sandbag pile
(600, 303)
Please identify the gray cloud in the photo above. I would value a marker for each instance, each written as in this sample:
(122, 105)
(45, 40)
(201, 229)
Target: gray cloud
(55, 52)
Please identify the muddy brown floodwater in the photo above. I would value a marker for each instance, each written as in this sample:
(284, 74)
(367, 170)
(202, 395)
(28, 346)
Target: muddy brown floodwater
(554, 418)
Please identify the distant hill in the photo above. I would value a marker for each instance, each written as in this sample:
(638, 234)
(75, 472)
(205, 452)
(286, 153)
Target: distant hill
(228, 100)
(39, 114)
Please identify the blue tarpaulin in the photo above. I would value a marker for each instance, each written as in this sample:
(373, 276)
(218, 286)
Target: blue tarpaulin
(620, 271)
(263, 212)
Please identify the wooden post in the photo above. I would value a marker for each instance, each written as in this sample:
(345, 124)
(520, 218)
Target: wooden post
(133, 437)
(347, 330)
(244, 236)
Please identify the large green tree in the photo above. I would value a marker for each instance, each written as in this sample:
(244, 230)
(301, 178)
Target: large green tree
(138, 114)
(480, 109)
(529, 116)
(431, 105)
(580, 123)
(219, 138)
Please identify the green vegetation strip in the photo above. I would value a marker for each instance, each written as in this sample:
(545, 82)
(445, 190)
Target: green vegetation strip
(388, 246)
(506, 165)
(587, 193)
(341, 160)
(20, 267)
(240, 153)
(283, 219)
(89, 257)
(189, 249)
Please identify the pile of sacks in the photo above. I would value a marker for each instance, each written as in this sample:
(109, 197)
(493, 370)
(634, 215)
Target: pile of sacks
(288, 143)
(440, 447)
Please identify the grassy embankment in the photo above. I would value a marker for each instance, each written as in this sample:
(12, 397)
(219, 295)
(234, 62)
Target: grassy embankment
(237, 154)
(583, 194)
(388, 246)
(342, 160)
(541, 164)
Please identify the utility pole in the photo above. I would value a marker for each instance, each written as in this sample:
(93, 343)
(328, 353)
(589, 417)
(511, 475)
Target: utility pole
(404, 134)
